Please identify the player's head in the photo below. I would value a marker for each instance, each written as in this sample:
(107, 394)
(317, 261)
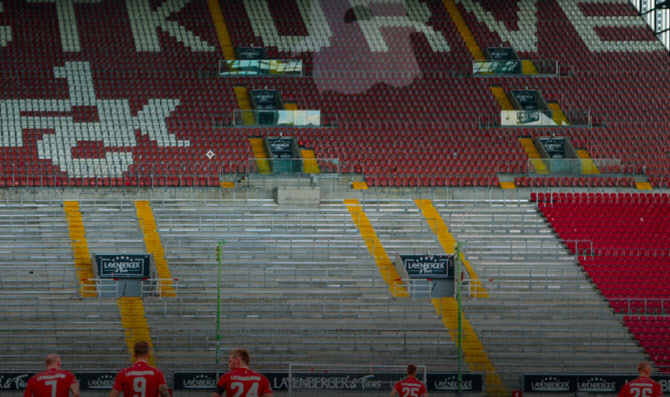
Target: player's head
(411, 370)
(644, 368)
(141, 350)
(239, 358)
(52, 361)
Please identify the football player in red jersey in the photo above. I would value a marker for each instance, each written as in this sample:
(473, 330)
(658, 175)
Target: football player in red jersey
(140, 379)
(54, 382)
(241, 381)
(410, 386)
(643, 386)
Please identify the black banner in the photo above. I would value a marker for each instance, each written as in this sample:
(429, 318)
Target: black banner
(123, 266)
(550, 383)
(195, 380)
(265, 99)
(280, 147)
(251, 53)
(502, 53)
(555, 147)
(87, 381)
(96, 380)
(333, 381)
(527, 99)
(14, 380)
(429, 266)
(449, 382)
(583, 383)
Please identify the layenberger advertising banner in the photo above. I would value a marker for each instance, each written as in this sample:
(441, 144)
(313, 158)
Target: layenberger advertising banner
(583, 383)
(334, 381)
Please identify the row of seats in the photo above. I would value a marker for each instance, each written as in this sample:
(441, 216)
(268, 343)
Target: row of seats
(573, 181)
(381, 94)
(623, 244)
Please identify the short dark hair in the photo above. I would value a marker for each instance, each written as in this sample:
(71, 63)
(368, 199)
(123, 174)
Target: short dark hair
(141, 348)
(411, 370)
(242, 354)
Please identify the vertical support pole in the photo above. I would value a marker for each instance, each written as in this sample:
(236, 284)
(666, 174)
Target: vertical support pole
(460, 319)
(219, 258)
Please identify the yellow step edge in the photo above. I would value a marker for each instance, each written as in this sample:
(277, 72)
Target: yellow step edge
(309, 163)
(82, 257)
(503, 100)
(534, 155)
(473, 350)
(448, 243)
(261, 155)
(244, 103)
(507, 185)
(528, 67)
(557, 114)
(386, 268)
(643, 186)
(222, 32)
(464, 30)
(135, 324)
(154, 246)
(290, 106)
(588, 165)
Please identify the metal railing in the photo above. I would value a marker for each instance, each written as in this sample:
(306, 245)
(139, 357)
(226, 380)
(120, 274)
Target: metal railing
(111, 287)
(274, 118)
(551, 341)
(274, 248)
(600, 167)
(23, 340)
(435, 342)
(300, 307)
(534, 279)
(514, 67)
(272, 222)
(524, 223)
(25, 280)
(641, 306)
(551, 308)
(543, 249)
(279, 275)
(37, 307)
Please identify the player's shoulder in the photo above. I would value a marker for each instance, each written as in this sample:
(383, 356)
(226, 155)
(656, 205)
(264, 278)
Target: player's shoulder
(245, 372)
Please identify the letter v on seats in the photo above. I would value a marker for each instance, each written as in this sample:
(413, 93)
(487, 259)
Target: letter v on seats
(524, 39)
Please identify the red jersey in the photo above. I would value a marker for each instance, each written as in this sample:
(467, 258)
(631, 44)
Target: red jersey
(410, 387)
(50, 383)
(140, 380)
(243, 382)
(641, 387)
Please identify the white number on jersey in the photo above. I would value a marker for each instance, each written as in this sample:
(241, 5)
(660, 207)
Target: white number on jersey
(54, 386)
(139, 386)
(238, 388)
(641, 391)
(409, 391)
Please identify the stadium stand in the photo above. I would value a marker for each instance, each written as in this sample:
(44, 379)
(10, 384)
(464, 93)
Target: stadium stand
(626, 255)
(119, 109)
(38, 289)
